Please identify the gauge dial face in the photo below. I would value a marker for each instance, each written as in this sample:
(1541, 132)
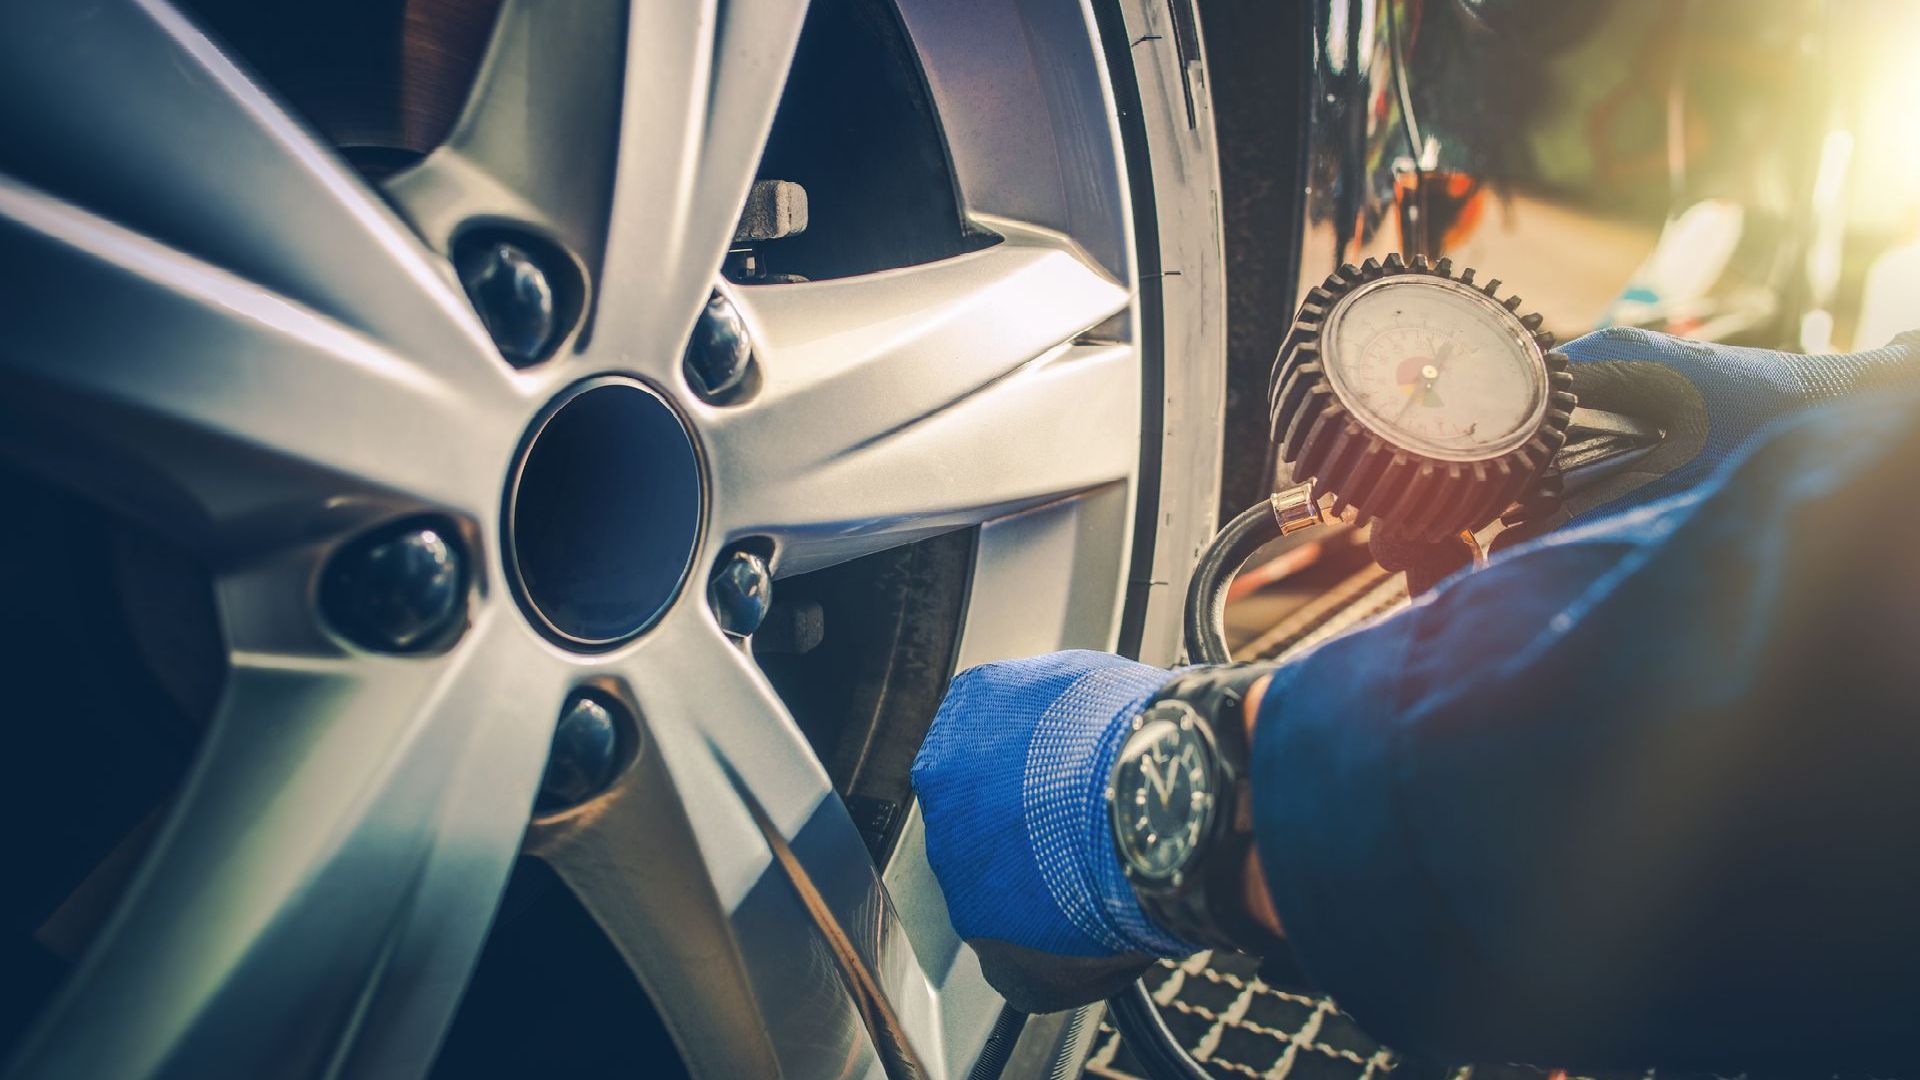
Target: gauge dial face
(1435, 367)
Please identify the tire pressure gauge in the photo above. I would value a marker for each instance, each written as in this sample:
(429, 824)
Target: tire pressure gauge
(1418, 398)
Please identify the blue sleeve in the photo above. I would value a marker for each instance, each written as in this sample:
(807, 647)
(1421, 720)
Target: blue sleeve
(1646, 791)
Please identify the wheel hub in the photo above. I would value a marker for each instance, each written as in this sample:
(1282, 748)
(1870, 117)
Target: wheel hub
(603, 513)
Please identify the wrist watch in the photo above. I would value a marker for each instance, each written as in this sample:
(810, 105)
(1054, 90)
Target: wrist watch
(1180, 808)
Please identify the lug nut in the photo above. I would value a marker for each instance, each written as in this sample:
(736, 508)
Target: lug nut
(741, 591)
(585, 753)
(514, 298)
(720, 354)
(398, 590)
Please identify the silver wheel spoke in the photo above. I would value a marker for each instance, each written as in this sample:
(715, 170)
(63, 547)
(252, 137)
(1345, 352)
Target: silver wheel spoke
(198, 399)
(722, 858)
(703, 80)
(537, 138)
(327, 876)
(1003, 111)
(912, 401)
(159, 131)
(630, 133)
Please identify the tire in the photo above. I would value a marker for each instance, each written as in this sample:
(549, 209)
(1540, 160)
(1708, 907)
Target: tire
(1175, 166)
(334, 428)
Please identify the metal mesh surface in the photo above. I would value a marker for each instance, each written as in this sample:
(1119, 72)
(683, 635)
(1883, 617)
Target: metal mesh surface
(1237, 1026)
(1240, 1026)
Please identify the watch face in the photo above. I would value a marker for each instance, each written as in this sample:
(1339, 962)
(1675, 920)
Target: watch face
(1163, 795)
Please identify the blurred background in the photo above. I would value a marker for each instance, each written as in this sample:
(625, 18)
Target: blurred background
(1731, 170)
(1727, 169)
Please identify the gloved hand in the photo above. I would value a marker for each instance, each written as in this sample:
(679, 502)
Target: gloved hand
(1012, 782)
(1708, 398)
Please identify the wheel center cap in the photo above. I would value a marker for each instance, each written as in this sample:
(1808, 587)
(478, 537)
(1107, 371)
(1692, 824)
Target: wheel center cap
(603, 513)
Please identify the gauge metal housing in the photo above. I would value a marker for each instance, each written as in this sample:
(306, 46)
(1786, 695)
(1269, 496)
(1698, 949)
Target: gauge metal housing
(1359, 472)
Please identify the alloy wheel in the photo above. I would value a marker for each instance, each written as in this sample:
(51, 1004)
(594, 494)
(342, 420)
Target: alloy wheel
(460, 558)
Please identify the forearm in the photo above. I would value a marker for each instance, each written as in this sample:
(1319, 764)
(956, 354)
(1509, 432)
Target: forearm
(1615, 799)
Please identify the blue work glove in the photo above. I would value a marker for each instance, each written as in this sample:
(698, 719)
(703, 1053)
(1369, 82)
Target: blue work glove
(1709, 399)
(1012, 782)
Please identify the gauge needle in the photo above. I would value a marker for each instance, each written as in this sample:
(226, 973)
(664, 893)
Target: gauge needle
(1415, 397)
(1430, 376)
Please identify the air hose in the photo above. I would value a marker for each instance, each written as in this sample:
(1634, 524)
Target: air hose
(1204, 626)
